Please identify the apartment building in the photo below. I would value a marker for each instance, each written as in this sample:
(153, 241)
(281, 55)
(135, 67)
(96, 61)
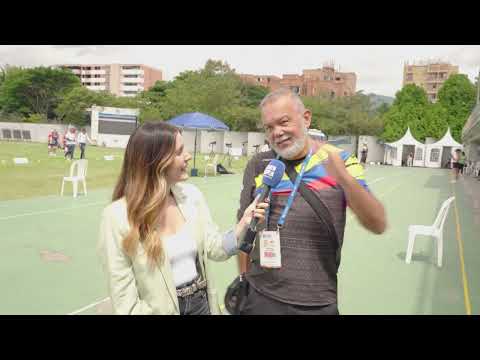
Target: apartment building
(428, 75)
(312, 82)
(118, 79)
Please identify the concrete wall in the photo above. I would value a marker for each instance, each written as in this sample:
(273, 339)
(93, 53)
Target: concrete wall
(348, 144)
(376, 151)
(113, 141)
(38, 132)
(255, 138)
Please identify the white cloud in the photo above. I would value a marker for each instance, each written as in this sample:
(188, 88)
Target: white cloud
(379, 68)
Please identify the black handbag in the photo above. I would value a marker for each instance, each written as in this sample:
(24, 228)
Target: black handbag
(236, 295)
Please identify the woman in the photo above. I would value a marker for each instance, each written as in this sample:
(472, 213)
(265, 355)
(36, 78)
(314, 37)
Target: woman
(157, 234)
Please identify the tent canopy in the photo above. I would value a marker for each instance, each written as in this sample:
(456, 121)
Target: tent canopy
(407, 139)
(198, 121)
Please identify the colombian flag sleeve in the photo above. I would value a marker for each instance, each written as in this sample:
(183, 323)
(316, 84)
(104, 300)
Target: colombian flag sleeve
(355, 169)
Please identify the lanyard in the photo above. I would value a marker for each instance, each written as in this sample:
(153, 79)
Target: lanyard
(291, 197)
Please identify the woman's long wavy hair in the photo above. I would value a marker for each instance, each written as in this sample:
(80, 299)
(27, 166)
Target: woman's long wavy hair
(143, 183)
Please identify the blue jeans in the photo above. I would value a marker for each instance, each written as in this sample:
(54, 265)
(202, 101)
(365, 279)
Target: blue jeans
(195, 304)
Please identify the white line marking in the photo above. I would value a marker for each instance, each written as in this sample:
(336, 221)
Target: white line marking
(52, 211)
(88, 306)
(376, 180)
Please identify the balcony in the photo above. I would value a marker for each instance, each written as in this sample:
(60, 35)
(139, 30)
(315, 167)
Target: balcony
(96, 87)
(132, 80)
(132, 72)
(131, 88)
(93, 80)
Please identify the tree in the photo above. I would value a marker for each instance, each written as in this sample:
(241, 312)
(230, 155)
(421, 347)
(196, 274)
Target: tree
(210, 90)
(457, 96)
(36, 90)
(72, 109)
(409, 109)
(252, 95)
(411, 95)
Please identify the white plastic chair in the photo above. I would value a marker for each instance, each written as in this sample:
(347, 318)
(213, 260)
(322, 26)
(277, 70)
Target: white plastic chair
(435, 231)
(212, 164)
(81, 167)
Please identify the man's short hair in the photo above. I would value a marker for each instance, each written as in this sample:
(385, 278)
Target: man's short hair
(280, 93)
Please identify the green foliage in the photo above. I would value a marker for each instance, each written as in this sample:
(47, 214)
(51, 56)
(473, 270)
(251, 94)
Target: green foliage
(411, 95)
(36, 90)
(458, 97)
(411, 108)
(408, 110)
(35, 118)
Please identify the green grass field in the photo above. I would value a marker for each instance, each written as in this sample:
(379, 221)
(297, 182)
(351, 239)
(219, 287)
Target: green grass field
(48, 243)
(43, 174)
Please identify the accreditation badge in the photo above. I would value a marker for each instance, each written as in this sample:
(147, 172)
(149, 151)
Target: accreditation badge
(270, 256)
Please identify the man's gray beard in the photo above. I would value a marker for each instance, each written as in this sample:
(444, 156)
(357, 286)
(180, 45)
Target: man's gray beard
(291, 152)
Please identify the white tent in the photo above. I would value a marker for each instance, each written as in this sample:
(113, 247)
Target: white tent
(438, 154)
(396, 153)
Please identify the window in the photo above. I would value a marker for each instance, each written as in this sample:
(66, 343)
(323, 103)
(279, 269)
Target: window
(131, 67)
(332, 94)
(97, 84)
(130, 84)
(259, 79)
(409, 77)
(268, 79)
(418, 154)
(97, 67)
(130, 76)
(338, 79)
(97, 76)
(130, 92)
(435, 155)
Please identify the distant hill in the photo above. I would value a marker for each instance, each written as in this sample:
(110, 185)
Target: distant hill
(378, 100)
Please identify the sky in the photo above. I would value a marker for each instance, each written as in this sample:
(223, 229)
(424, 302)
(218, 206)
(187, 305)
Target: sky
(379, 68)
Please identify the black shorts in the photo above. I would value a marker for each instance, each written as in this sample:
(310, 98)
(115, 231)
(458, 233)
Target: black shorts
(457, 165)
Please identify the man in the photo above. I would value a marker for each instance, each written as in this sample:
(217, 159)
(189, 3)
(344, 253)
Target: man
(82, 142)
(306, 282)
(364, 153)
(52, 142)
(457, 164)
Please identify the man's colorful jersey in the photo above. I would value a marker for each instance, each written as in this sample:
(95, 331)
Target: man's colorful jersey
(315, 176)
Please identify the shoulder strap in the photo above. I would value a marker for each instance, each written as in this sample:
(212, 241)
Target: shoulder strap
(318, 206)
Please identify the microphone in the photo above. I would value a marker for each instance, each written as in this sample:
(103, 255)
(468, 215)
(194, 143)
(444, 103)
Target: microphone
(271, 177)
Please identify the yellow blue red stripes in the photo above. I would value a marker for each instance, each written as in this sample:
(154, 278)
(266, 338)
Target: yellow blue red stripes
(316, 177)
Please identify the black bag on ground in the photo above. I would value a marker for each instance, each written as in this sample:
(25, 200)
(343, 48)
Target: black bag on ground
(221, 169)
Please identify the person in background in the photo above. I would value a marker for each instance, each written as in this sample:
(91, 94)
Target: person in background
(410, 160)
(462, 162)
(364, 153)
(70, 141)
(456, 164)
(82, 142)
(52, 142)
